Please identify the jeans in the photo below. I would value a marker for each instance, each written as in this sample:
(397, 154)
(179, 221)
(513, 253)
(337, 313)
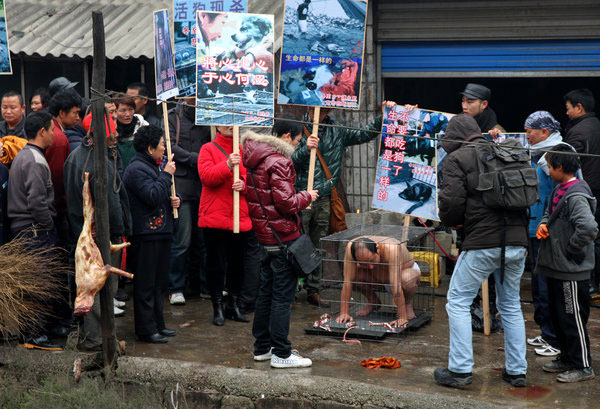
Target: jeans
(315, 222)
(252, 261)
(473, 268)
(185, 228)
(277, 290)
(541, 305)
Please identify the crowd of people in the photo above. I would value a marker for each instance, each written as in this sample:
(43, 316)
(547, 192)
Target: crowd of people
(45, 154)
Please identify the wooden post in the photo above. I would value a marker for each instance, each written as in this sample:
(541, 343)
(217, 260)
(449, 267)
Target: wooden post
(313, 152)
(485, 301)
(168, 143)
(236, 176)
(100, 187)
(405, 229)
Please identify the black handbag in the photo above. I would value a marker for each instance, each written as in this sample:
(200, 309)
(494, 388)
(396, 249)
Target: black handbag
(301, 254)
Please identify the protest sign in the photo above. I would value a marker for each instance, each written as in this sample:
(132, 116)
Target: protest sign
(185, 37)
(234, 54)
(322, 53)
(521, 136)
(5, 65)
(164, 68)
(407, 169)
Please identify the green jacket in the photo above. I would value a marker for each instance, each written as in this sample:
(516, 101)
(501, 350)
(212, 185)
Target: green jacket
(333, 142)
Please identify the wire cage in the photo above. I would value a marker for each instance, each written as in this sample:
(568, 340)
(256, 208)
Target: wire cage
(377, 280)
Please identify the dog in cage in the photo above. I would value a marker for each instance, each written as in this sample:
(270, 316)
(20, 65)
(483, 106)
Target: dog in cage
(372, 262)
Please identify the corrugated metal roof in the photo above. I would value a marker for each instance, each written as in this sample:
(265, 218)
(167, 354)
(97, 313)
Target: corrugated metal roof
(63, 28)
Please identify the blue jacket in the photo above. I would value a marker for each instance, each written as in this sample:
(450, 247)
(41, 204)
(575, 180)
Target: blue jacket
(545, 189)
(149, 191)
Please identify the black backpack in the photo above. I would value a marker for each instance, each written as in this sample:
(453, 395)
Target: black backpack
(506, 179)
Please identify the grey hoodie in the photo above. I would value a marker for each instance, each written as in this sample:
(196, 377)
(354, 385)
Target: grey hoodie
(572, 229)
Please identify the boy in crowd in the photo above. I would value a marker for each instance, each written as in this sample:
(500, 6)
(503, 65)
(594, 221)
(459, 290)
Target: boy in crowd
(567, 232)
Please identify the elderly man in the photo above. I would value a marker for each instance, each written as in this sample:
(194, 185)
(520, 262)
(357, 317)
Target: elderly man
(376, 261)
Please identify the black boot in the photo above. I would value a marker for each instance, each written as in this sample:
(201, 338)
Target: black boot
(218, 319)
(232, 311)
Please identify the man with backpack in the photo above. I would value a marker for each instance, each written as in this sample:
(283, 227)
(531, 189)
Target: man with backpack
(482, 183)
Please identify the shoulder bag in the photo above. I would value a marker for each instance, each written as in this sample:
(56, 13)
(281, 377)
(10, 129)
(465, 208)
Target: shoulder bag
(337, 220)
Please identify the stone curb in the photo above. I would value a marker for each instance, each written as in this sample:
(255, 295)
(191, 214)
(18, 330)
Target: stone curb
(277, 389)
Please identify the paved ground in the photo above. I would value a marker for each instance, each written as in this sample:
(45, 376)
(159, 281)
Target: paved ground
(419, 352)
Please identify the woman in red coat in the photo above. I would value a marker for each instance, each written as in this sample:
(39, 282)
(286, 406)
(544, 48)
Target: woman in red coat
(223, 248)
(271, 187)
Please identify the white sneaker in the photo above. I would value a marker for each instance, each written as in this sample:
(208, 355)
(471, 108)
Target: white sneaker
(292, 361)
(547, 350)
(264, 357)
(177, 299)
(118, 303)
(537, 341)
(118, 312)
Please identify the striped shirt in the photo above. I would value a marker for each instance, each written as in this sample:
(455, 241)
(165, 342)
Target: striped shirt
(561, 192)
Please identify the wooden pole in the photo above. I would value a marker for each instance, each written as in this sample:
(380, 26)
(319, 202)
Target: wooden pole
(485, 300)
(236, 176)
(100, 187)
(405, 229)
(168, 143)
(313, 152)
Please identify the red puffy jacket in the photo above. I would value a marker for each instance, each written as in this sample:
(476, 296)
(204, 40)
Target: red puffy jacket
(216, 201)
(268, 158)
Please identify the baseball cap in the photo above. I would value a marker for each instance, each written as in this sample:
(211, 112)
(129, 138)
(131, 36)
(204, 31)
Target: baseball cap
(111, 127)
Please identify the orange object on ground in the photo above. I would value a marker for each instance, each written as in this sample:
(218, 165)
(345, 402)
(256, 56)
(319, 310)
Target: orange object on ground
(385, 362)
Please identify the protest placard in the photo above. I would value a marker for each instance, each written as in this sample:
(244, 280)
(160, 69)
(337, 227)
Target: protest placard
(521, 136)
(234, 84)
(164, 67)
(322, 53)
(407, 170)
(185, 37)
(5, 64)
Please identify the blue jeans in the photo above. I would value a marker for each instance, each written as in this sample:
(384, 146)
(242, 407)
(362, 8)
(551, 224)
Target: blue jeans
(277, 290)
(473, 268)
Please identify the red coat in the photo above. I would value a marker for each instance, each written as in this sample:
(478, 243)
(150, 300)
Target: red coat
(216, 201)
(268, 157)
(56, 156)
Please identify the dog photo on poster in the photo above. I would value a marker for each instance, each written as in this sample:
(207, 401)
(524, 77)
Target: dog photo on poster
(234, 54)
(407, 170)
(5, 64)
(164, 67)
(185, 37)
(322, 53)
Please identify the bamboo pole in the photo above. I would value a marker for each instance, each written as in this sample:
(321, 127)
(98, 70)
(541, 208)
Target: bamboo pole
(168, 143)
(313, 152)
(236, 176)
(485, 300)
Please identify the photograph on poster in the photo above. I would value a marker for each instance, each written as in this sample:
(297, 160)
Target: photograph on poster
(521, 136)
(322, 52)
(407, 170)
(164, 68)
(185, 37)
(235, 64)
(5, 64)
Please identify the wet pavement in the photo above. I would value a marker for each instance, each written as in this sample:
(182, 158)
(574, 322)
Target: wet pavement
(419, 352)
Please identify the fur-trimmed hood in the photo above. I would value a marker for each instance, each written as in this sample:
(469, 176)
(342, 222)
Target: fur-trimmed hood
(257, 146)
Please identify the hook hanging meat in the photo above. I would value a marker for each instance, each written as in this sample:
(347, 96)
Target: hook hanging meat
(90, 271)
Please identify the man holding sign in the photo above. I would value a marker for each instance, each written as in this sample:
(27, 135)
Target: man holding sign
(332, 141)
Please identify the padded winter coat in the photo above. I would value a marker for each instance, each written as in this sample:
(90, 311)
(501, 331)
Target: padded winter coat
(267, 159)
(333, 142)
(461, 205)
(216, 202)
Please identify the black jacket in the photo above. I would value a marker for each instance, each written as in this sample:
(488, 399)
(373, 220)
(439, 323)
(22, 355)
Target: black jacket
(149, 190)
(186, 149)
(583, 134)
(459, 202)
(119, 216)
(486, 120)
(18, 130)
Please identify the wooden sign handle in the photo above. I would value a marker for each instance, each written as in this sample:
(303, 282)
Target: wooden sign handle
(313, 152)
(485, 301)
(236, 176)
(168, 143)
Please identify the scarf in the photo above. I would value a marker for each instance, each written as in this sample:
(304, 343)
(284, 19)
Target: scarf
(550, 142)
(126, 131)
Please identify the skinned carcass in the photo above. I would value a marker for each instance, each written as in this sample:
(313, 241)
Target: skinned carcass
(90, 271)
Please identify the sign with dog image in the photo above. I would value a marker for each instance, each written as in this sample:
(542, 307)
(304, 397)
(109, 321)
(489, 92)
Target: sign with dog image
(234, 83)
(322, 53)
(164, 67)
(184, 17)
(407, 170)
